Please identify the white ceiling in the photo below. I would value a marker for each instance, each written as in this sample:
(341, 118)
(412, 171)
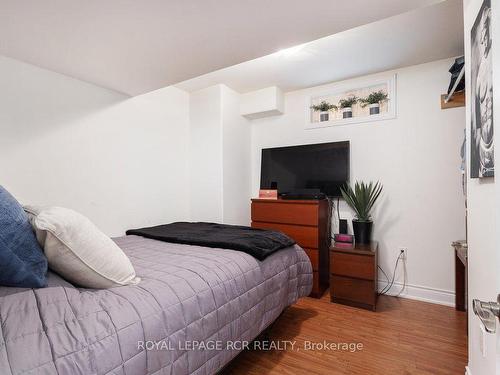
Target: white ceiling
(134, 46)
(423, 35)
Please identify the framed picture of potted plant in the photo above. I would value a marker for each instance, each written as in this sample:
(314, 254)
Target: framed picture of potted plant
(346, 105)
(361, 199)
(355, 101)
(324, 109)
(373, 101)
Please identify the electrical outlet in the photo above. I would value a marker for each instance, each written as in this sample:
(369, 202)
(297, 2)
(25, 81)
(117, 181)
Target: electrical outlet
(404, 251)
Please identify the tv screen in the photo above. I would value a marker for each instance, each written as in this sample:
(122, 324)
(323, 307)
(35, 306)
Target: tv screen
(323, 166)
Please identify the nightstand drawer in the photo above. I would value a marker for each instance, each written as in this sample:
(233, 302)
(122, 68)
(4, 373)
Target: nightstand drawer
(353, 265)
(355, 290)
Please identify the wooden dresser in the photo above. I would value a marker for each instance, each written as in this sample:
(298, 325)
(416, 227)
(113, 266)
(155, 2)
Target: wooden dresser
(307, 222)
(353, 279)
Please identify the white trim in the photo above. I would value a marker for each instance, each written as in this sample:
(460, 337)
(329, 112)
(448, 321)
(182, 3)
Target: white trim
(357, 84)
(421, 293)
(467, 370)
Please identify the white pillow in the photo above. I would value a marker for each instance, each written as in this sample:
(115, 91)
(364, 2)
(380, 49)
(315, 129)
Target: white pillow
(78, 250)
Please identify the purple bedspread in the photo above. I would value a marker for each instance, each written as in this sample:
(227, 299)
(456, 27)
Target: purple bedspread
(187, 295)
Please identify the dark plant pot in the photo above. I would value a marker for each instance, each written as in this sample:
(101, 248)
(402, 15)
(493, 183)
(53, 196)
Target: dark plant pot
(362, 231)
(374, 109)
(347, 112)
(324, 116)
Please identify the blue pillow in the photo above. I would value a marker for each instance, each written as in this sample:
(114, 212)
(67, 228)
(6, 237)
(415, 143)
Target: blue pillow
(22, 261)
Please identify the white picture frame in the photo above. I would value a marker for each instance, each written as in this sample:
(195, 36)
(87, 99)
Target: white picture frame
(388, 81)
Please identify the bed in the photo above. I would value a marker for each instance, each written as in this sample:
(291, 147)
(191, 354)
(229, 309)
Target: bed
(188, 295)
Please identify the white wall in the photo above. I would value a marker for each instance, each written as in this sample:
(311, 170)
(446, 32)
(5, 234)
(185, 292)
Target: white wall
(220, 157)
(205, 111)
(236, 160)
(494, 250)
(415, 156)
(121, 161)
(483, 210)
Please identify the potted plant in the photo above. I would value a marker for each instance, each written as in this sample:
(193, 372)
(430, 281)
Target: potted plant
(361, 199)
(324, 109)
(346, 105)
(373, 101)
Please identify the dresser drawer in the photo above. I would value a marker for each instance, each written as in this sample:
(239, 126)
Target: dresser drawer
(304, 236)
(313, 255)
(289, 213)
(355, 290)
(353, 265)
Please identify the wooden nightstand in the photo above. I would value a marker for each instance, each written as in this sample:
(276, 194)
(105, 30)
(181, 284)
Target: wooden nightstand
(353, 275)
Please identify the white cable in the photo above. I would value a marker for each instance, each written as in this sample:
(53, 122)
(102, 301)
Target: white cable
(391, 283)
(405, 275)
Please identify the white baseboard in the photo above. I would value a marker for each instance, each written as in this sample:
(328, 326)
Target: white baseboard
(421, 293)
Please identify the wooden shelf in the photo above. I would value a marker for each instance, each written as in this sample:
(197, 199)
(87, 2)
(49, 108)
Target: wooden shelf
(457, 100)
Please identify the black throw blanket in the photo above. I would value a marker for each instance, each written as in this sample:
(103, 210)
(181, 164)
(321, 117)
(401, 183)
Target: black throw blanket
(258, 243)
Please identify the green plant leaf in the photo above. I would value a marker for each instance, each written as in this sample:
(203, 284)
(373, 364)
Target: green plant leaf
(374, 98)
(362, 198)
(348, 101)
(324, 107)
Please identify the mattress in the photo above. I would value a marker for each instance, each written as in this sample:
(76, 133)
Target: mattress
(187, 316)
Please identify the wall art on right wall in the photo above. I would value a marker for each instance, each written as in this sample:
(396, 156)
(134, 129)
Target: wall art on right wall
(482, 145)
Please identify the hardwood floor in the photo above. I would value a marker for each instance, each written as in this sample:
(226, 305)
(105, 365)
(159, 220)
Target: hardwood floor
(402, 337)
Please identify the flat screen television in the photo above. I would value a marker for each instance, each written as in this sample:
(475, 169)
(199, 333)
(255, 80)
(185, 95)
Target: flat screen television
(323, 166)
